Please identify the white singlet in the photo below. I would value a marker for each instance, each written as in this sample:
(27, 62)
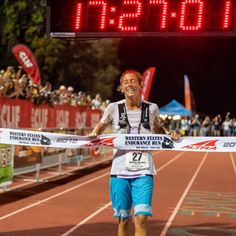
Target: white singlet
(131, 164)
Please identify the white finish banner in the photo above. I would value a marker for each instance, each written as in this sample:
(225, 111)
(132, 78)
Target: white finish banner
(147, 142)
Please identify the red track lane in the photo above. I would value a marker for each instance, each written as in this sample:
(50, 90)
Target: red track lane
(209, 207)
(192, 191)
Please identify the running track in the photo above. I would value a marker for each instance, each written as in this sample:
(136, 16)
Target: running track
(195, 194)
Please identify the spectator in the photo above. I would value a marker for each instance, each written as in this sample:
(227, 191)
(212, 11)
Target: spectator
(232, 127)
(1, 84)
(89, 100)
(73, 99)
(226, 127)
(24, 89)
(82, 99)
(45, 94)
(9, 73)
(104, 105)
(196, 125)
(174, 124)
(70, 91)
(11, 88)
(62, 94)
(216, 126)
(206, 127)
(97, 102)
(34, 93)
(185, 126)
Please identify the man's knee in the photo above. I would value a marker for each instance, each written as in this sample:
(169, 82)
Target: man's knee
(141, 221)
(124, 222)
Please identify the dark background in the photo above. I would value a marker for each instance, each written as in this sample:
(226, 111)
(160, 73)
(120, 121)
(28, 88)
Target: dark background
(209, 62)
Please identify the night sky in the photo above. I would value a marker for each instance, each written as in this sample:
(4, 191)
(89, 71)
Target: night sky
(209, 62)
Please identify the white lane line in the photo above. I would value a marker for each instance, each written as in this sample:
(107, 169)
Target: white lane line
(233, 163)
(109, 203)
(174, 213)
(169, 162)
(86, 219)
(53, 196)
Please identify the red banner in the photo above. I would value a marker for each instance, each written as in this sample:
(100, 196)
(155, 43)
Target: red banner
(147, 82)
(16, 113)
(26, 59)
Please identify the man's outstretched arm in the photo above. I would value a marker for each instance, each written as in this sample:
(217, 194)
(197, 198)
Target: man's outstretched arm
(99, 129)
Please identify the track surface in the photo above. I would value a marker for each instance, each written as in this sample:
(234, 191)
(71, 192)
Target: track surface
(195, 194)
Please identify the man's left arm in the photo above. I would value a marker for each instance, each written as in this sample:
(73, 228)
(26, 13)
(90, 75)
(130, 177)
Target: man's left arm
(160, 128)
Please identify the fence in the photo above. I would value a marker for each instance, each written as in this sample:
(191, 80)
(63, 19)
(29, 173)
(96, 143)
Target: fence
(20, 160)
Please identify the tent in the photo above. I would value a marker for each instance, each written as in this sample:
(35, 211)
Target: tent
(175, 108)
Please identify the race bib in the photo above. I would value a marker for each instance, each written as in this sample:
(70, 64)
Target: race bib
(135, 161)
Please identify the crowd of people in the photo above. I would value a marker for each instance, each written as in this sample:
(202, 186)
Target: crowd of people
(16, 84)
(206, 126)
(19, 86)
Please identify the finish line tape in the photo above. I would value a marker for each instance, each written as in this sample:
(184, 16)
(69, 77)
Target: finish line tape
(148, 142)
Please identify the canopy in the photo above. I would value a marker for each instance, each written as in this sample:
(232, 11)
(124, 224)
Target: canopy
(175, 108)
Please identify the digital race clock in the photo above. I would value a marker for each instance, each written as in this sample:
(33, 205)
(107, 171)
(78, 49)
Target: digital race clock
(146, 18)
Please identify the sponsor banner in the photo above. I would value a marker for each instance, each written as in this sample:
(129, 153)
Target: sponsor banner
(47, 151)
(6, 165)
(187, 93)
(23, 114)
(163, 142)
(41, 139)
(27, 60)
(146, 142)
(147, 82)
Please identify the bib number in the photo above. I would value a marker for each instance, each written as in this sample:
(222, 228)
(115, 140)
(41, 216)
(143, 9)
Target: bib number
(135, 161)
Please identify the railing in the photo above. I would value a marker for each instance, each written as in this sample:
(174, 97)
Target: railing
(55, 165)
(23, 114)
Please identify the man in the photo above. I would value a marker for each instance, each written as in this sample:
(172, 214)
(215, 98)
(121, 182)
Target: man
(131, 184)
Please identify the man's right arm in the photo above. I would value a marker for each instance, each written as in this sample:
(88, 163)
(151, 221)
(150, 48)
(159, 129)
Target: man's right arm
(98, 130)
(103, 123)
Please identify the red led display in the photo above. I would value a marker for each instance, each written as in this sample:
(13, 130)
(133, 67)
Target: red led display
(118, 18)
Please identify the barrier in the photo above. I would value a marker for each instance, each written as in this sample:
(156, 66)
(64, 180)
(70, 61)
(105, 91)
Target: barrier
(24, 114)
(16, 113)
(56, 165)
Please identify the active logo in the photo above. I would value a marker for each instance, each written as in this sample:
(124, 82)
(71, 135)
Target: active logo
(206, 145)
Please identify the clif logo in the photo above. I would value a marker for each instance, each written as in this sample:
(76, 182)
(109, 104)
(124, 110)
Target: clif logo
(206, 145)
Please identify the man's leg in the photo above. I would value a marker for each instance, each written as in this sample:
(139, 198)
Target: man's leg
(142, 189)
(120, 193)
(140, 222)
(124, 227)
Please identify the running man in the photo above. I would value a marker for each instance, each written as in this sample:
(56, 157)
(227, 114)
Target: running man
(129, 185)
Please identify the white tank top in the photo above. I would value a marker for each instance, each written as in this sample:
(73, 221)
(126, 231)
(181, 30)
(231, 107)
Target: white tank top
(111, 116)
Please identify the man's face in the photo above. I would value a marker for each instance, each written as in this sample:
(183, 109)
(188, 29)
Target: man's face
(130, 85)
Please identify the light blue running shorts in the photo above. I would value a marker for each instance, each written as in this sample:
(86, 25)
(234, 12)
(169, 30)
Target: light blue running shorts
(126, 193)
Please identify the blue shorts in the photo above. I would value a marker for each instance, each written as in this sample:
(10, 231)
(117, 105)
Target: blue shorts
(127, 192)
